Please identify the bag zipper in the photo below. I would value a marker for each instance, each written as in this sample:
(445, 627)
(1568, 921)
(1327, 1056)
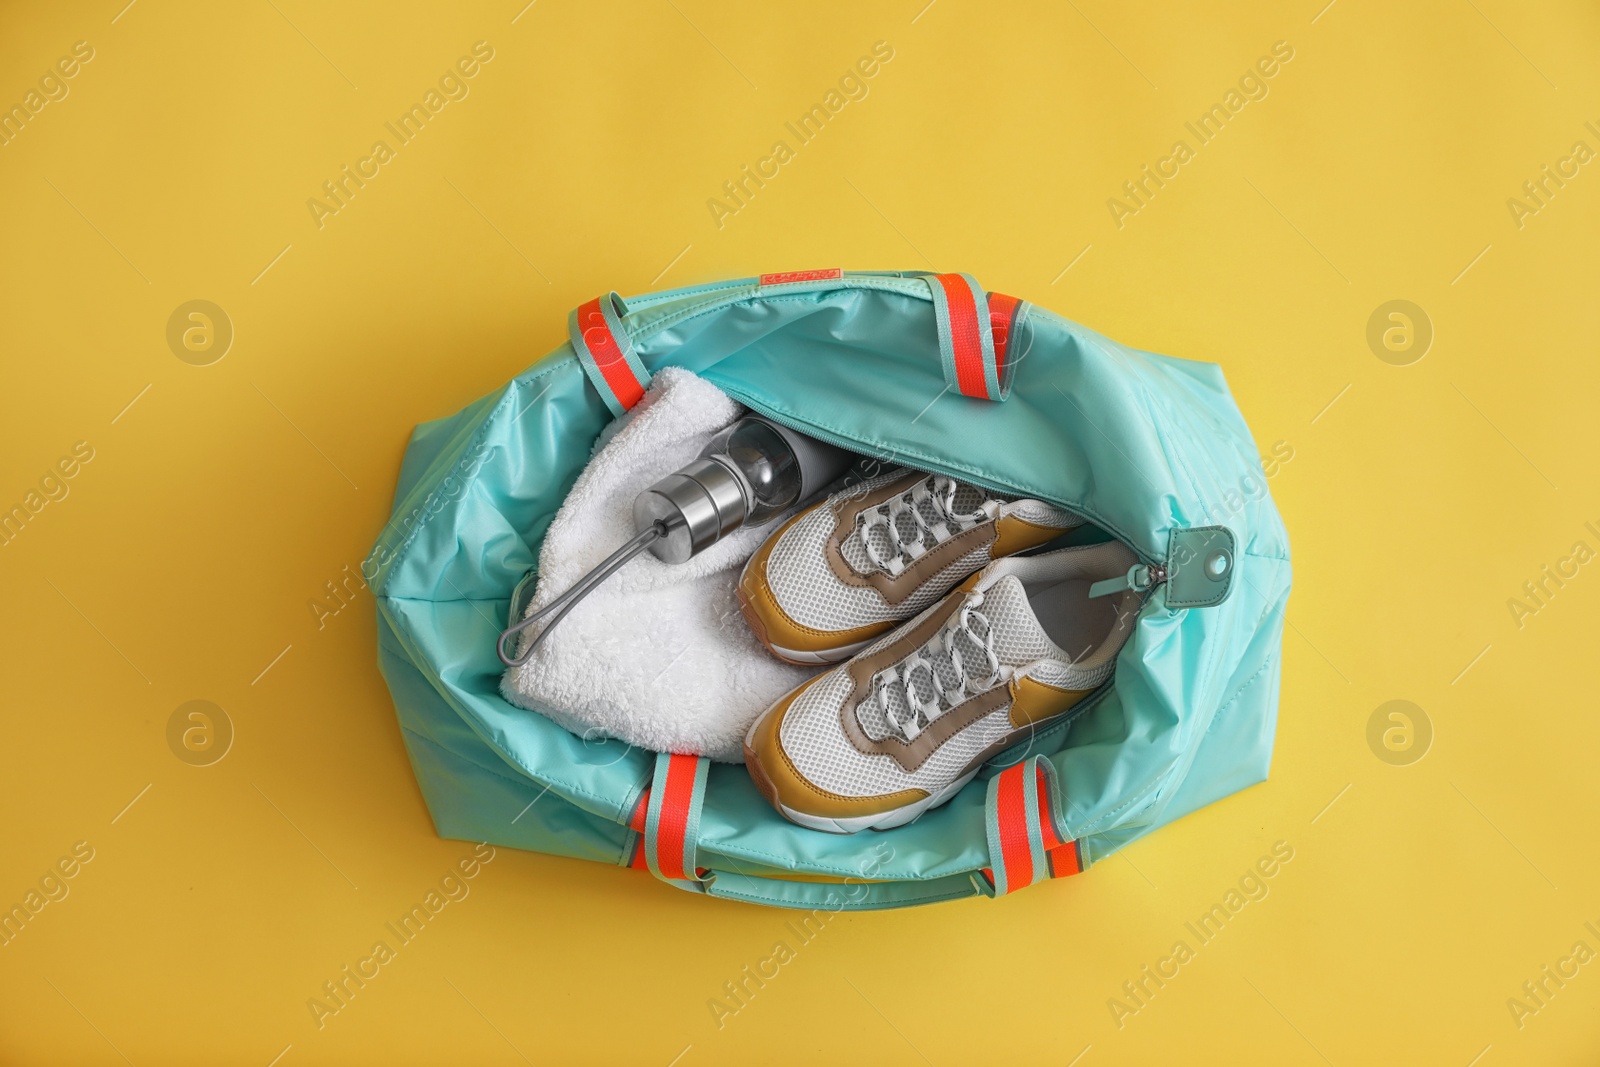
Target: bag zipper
(1155, 570)
(1141, 578)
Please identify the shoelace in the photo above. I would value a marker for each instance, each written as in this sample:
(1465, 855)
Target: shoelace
(936, 490)
(940, 651)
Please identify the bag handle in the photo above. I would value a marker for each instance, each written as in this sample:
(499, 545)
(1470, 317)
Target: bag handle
(826, 898)
(606, 352)
(976, 331)
(1028, 840)
(667, 821)
(1027, 837)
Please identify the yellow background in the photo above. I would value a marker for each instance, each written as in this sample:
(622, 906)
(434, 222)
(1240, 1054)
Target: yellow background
(1419, 499)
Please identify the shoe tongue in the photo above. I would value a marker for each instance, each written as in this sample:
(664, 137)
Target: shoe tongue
(1018, 638)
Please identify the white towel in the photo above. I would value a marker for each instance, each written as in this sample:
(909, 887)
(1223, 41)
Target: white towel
(658, 655)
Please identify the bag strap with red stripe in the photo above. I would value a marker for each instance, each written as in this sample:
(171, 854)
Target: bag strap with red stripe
(667, 820)
(1028, 839)
(977, 334)
(606, 352)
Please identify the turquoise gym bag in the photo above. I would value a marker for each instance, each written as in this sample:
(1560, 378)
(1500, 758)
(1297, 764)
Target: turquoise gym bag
(927, 370)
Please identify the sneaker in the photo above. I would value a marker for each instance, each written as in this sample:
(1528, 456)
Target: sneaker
(875, 742)
(849, 568)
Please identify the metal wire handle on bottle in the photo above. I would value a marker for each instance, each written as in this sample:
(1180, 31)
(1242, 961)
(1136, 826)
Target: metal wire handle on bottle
(557, 609)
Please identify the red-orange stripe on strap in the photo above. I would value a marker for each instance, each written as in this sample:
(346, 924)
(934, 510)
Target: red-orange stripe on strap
(1064, 860)
(673, 825)
(1011, 816)
(1063, 855)
(964, 336)
(1002, 313)
(608, 355)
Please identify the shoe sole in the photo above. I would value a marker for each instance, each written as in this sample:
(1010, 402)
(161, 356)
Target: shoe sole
(795, 657)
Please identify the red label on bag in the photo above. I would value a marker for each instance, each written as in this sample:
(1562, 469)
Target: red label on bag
(786, 277)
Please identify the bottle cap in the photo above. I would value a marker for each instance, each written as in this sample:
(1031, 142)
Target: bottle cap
(699, 505)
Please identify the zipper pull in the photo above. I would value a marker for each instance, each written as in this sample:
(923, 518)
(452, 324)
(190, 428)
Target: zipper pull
(1141, 578)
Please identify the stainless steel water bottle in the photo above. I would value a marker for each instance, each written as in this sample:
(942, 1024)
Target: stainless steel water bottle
(749, 474)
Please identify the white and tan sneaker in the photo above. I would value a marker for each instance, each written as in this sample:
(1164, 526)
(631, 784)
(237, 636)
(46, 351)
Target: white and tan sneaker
(849, 568)
(899, 729)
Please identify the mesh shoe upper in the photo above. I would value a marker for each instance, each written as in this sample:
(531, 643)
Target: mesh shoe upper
(972, 647)
(885, 534)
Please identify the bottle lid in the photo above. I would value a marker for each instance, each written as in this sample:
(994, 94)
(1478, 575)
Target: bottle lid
(699, 504)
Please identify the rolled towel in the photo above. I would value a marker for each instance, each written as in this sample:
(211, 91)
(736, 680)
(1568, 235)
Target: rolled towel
(658, 655)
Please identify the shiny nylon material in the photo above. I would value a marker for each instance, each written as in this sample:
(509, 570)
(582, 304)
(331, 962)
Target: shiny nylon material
(1141, 445)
